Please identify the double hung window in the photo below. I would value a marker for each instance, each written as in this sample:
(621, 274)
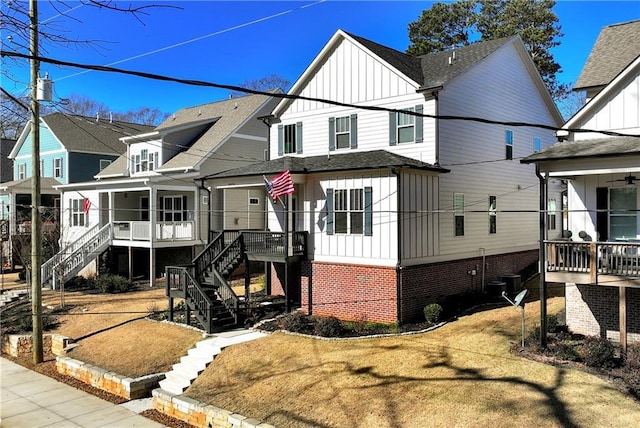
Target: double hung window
(350, 211)
(623, 204)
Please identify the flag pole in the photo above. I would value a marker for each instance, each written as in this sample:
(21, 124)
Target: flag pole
(286, 254)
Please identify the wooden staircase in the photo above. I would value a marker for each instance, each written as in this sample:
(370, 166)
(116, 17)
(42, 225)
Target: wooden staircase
(204, 284)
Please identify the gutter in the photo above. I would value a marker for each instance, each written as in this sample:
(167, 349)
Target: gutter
(396, 172)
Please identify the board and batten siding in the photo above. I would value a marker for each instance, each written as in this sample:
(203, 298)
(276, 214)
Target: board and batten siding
(620, 112)
(420, 217)
(71, 233)
(234, 153)
(239, 214)
(498, 88)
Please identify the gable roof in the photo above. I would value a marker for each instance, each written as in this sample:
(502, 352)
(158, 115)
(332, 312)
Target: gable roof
(24, 185)
(428, 71)
(86, 135)
(601, 147)
(352, 161)
(616, 47)
(217, 121)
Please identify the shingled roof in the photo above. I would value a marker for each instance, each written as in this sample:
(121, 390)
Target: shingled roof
(433, 70)
(88, 135)
(352, 161)
(601, 147)
(616, 47)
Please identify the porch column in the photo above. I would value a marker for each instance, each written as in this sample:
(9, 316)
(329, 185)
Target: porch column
(130, 263)
(196, 232)
(153, 194)
(152, 266)
(622, 295)
(112, 198)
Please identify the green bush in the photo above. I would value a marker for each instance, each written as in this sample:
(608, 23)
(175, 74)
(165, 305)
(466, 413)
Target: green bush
(432, 313)
(598, 352)
(566, 351)
(112, 284)
(328, 327)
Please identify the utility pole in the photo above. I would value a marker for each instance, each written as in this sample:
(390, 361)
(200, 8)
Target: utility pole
(36, 238)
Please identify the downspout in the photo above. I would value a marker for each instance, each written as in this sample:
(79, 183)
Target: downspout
(395, 172)
(437, 127)
(542, 258)
(206, 189)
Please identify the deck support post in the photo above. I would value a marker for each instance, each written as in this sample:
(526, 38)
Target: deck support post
(622, 295)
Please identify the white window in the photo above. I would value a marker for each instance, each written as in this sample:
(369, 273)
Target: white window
(343, 132)
(508, 142)
(104, 163)
(22, 171)
(623, 203)
(173, 208)
(493, 215)
(458, 208)
(405, 127)
(57, 167)
(536, 144)
(78, 217)
(551, 214)
(349, 211)
(144, 161)
(254, 201)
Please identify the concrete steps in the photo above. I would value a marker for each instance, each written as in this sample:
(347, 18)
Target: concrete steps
(198, 358)
(12, 295)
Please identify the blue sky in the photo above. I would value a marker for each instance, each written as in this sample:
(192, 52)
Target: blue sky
(230, 42)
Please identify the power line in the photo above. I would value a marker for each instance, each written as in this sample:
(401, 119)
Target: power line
(202, 83)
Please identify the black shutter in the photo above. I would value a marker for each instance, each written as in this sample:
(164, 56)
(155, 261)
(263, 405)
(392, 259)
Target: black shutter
(332, 133)
(392, 129)
(419, 124)
(299, 137)
(368, 211)
(330, 213)
(280, 140)
(354, 131)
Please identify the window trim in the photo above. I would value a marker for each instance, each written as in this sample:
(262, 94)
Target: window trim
(552, 214)
(105, 162)
(254, 201)
(508, 142)
(295, 132)
(57, 168)
(163, 211)
(614, 214)
(358, 202)
(22, 171)
(77, 216)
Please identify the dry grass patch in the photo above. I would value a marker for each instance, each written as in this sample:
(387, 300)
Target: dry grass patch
(137, 348)
(460, 375)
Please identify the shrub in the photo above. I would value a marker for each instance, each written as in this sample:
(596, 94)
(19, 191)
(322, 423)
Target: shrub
(26, 322)
(432, 313)
(296, 322)
(77, 283)
(112, 284)
(598, 352)
(566, 351)
(328, 327)
(632, 358)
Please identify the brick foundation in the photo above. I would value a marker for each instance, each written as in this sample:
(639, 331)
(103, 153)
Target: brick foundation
(594, 311)
(370, 293)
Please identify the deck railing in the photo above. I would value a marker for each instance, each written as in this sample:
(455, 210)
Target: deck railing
(265, 242)
(606, 258)
(165, 230)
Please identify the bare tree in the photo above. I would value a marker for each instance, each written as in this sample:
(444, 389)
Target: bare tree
(266, 83)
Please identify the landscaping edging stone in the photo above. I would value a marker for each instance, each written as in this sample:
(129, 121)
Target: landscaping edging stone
(103, 379)
(201, 415)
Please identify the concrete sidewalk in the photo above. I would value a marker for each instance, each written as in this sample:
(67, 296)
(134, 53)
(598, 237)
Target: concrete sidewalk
(29, 399)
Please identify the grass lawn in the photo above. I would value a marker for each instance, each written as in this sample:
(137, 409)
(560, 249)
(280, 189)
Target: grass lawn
(459, 375)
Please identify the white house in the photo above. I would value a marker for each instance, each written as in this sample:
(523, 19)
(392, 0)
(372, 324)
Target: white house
(599, 157)
(408, 185)
(148, 208)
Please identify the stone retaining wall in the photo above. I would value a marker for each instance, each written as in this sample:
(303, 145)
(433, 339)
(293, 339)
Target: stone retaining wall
(114, 383)
(18, 345)
(200, 414)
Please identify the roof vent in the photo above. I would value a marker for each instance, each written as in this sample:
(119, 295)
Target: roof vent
(98, 117)
(110, 117)
(235, 105)
(199, 112)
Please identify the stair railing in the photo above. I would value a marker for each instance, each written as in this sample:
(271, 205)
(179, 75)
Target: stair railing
(180, 278)
(81, 255)
(46, 270)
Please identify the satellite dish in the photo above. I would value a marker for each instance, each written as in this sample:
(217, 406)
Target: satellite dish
(520, 297)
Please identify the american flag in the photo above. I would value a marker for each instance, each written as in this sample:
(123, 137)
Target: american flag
(86, 205)
(280, 185)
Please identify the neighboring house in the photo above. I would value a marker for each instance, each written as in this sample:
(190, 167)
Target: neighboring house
(393, 210)
(600, 265)
(6, 165)
(148, 208)
(72, 148)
